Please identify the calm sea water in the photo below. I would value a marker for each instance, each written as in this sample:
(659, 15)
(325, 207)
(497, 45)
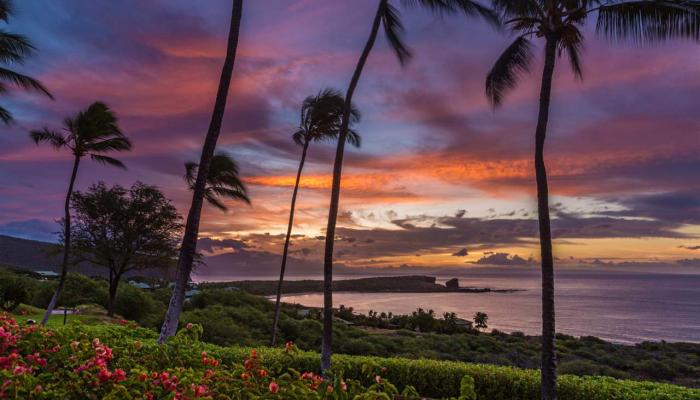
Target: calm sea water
(619, 306)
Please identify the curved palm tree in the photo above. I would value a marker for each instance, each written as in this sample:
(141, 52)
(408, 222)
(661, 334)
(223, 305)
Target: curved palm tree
(93, 132)
(223, 181)
(558, 23)
(189, 239)
(14, 49)
(320, 121)
(388, 17)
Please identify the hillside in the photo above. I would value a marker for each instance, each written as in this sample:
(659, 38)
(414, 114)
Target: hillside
(33, 255)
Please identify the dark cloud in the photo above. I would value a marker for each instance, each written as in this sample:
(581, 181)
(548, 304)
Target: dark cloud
(678, 207)
(461, 253)
(210, 245)
(689, 247)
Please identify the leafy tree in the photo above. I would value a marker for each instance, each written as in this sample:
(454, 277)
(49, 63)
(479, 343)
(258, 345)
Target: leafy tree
(14, 49)
(124, 230)
(388, 17)
(321, 116)
(480, 320)
(189, 240)
(558, 23)
(12, 292)
(93, 132)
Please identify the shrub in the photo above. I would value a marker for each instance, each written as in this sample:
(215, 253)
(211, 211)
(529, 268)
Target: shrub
(12, 292)
(43, 364)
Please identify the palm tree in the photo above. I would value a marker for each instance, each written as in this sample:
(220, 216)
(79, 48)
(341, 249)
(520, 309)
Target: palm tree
(93, 132)
(189, 239)
(222, 181)
(559, 23)
(14, 49)
(320, 121)
(387, 16)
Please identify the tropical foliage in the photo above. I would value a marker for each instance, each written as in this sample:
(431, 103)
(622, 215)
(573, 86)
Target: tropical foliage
(559, 24)
(14, 50)
(93, 132)
(388, 17)
(223, 181)
(321, 118)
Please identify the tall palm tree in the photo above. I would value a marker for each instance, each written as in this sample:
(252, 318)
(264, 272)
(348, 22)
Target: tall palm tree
(388, 17)
(14, 49)
(558, 23)
(93, 132)
(320, 121)
(189, 239)
(223, 181)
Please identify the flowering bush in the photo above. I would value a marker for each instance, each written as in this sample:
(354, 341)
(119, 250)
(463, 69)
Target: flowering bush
(37, 363)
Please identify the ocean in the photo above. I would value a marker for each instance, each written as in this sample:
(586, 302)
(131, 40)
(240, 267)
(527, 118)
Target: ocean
(618, 305)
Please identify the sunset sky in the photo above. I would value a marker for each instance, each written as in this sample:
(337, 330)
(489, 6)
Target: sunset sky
(441, 179)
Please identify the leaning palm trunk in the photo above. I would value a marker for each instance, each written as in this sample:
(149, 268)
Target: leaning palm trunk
(549, 364)
(189, 240)
(66, 245)
(326, 348)
(276, 319)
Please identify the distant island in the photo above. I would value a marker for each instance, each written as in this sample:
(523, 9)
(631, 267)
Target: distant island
(389, 284)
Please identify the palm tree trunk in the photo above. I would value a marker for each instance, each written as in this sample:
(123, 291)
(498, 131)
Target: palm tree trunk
(276, 318)
(189, 239)
(335, 196)
(66, 244)
(549, 363)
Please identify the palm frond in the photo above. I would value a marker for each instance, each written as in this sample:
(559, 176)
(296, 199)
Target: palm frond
(393, 29)
(214, 201)
(5, 10)
(354, 138)
(520, 8)
(53, 138)
(468, 7)
(223, 180)
(107, 160)
(14, 47)
(504, 74)
(571, 40)
(191, 173)
(23, 81)
(235, 194)
(645, 21)
(5, 116)
(120, 143)
(299, 137)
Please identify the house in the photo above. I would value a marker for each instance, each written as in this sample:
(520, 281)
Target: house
(47, 274)
(464, 323)
(140, 285)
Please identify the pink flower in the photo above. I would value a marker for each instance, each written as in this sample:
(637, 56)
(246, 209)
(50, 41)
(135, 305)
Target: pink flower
(289, 345)
(274, 387)
(119, 375)
(329, 389)
(104, 375)
(378, 379)
(189, 325)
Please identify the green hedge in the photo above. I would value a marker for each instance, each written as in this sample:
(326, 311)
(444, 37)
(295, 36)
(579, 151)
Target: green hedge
(432, 378)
